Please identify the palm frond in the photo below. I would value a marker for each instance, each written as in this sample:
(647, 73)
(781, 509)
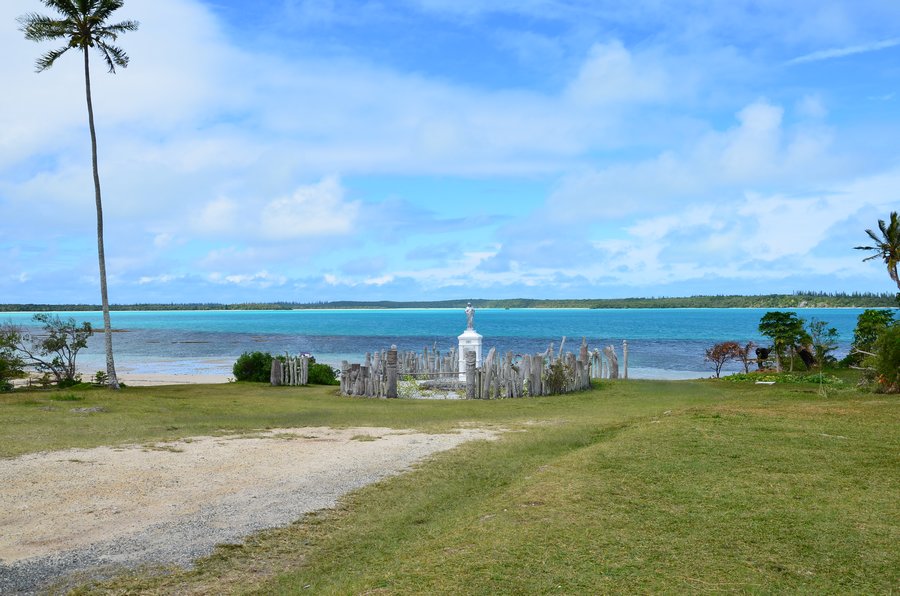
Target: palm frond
(37, 27)
(47, 60)
(65, 7)
(874, 236)
(103, 9)
(117, 29)
(113, 56)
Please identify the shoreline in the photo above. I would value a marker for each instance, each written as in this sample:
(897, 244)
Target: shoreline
(158, 379)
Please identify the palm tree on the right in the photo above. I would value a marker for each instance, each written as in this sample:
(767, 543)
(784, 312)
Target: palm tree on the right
(887, 246)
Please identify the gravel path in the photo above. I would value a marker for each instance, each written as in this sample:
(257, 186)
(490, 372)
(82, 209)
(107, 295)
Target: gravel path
(95, 511)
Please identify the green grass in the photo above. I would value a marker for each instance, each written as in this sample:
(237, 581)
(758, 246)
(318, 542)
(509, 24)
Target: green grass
(633, 487)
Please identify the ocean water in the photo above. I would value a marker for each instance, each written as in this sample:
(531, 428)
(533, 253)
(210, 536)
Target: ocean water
(662, 343)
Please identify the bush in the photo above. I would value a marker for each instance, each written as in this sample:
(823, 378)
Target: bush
(556, 378)
(869, 325)
(253, 366)
(887, 362)
(321, 374)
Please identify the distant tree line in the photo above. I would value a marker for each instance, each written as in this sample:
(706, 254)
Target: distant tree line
(795, 300)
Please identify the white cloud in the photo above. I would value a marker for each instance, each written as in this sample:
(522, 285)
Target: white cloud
(751, 150)
(262, 279)
(378, 281)
(845, 51)
(316, 210)
(218, 216)
(812, 106)
(756, 153)
(611, 74)
(163, 240)
(158, 279)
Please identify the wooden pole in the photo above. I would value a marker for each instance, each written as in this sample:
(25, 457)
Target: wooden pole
(392, 372)
(470, 374)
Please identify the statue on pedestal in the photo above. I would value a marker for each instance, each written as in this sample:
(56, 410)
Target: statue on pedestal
(470, 316)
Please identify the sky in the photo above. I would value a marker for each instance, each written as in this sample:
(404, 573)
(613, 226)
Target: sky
(318, 150)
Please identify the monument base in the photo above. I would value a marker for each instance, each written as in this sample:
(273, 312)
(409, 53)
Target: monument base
(469, 341)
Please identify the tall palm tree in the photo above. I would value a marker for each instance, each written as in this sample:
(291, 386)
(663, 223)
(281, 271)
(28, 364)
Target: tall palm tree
(887, 246)
(83, 26)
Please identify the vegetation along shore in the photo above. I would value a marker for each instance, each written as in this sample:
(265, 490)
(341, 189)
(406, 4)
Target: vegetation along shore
(795, 300)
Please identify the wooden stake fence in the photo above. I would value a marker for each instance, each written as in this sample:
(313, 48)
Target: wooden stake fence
(509, 376)
(293, 371)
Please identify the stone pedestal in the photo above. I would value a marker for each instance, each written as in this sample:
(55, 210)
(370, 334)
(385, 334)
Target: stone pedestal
(469, 341)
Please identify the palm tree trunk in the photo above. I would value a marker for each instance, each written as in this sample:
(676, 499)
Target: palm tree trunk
(107, 328)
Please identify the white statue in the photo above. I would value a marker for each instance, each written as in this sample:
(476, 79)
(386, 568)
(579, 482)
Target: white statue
(470, 316)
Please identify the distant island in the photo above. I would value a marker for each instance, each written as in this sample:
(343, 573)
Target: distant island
(795, 300)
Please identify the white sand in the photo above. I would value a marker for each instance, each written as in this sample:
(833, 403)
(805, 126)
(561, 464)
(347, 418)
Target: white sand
(149, 379)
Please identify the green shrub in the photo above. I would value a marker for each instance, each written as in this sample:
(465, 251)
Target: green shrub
(555, 378)
(253, 366)
(887, 361)
(67, 383)
(321, 374)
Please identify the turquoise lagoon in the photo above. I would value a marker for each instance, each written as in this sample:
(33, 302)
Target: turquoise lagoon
(663, 343)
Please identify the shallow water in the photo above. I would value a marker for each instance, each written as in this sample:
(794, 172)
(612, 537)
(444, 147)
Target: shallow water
(663, 343)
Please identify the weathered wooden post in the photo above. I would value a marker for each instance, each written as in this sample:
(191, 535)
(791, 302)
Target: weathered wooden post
(354, 378)
(596, 364)
(579, 375)
(625, 359)
(345, 377)
(392, 372)
(470, 374)
(275, 374)
(525, 367)
(613, 361)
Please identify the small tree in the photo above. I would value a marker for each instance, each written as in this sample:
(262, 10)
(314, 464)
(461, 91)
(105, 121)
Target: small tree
(869, 325)
(11, 364)
(744, 355)
(823, 339)
(721, 353)
(887, 361)
(785, 329)
(55, 348)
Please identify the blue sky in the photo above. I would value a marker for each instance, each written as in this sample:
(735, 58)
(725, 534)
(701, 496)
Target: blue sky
(432, 149)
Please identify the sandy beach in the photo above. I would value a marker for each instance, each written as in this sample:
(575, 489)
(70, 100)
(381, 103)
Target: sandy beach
(151, 379)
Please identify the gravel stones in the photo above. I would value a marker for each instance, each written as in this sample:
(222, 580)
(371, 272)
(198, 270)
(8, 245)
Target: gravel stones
(94, 511)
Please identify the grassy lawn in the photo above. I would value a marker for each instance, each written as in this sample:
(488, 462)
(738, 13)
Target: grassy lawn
(634, 487)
